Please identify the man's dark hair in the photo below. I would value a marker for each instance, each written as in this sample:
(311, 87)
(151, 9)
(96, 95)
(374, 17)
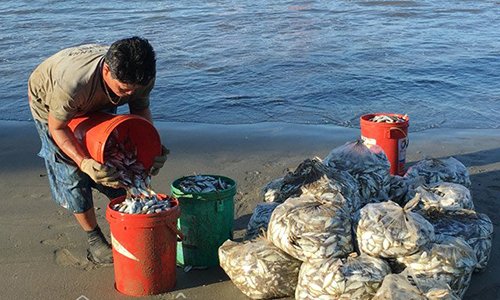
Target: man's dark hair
(132, 60)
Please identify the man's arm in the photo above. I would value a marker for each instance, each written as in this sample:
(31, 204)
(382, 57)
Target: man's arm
(145, 113)
(66, 140)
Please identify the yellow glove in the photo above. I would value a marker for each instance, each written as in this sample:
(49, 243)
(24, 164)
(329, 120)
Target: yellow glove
(100, 173)
(159, 161)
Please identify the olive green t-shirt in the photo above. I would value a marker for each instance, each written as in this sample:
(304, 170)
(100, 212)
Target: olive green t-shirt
(70, 84)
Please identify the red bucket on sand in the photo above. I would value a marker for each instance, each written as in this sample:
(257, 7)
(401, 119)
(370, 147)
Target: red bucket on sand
(93, 131)
(144, 249)
(391, 137)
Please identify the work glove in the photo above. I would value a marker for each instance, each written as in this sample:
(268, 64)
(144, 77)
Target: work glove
(100, 173)
(159, 161)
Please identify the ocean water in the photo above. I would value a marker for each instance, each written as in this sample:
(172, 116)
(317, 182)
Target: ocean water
(312, 62)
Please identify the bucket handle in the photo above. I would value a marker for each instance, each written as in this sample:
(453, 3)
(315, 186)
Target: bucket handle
(398, 129)
(176, 231)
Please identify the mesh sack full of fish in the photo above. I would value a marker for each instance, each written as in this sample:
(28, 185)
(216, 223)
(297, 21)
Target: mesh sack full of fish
(387, 230)
(122, 155)
(308, 171)
(333, 278)
(306, 228)
(475, 228)
(259, 269)
(203, 184)
(435, 170)
(449, 260)
(260, 219)
(401, 188)
(370, 167)
(314, 178)
(444, 196)
(407, 286)
(337, 186)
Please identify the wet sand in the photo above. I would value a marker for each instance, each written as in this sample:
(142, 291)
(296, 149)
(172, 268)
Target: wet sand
(42, 255)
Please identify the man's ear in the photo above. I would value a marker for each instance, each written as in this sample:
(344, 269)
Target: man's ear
(105, 69)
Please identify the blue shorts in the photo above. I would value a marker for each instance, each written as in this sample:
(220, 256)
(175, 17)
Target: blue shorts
(70, 187)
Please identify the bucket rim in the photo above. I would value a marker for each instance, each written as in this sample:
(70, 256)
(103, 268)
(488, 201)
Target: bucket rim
(177, 190)
(174, 211)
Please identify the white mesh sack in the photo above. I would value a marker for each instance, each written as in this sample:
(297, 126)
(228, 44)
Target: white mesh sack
(259, 269)
(307, 228)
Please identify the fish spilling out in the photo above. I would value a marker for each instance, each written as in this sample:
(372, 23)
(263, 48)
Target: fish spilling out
(140, 199)
(122, 155)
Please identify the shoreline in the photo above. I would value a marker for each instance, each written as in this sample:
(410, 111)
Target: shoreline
(42, 238)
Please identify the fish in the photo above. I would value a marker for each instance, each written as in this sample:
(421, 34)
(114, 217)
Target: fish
(353, 277)
(259, 269)
(389, 119)
(387, 230)
(203, 184)
(306, 228)
(435, 170)
(449, 260)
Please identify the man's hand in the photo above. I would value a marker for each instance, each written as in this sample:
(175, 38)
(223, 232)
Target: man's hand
(101, 174)
(159, 161)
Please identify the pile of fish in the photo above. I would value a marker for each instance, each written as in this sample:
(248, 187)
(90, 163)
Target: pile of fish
(444, 196)
(388, 230)
(449, 260)
(388, 119)
(406, 285)
(370, 168)
(475, 228)
(306, 228)
(259, 269)
(313, 177)
(203, 184)
(326, 211)
(440, 170)
(143, 205)
(332, 278)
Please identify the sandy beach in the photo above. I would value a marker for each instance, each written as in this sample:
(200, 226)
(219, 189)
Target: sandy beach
(42, 255)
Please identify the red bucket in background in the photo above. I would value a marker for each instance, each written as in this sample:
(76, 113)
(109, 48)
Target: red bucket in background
(391, 137)
(93, 131)
(144, 249)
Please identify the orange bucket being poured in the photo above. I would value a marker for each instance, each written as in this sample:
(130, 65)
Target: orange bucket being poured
(391, 137)
(94, 130)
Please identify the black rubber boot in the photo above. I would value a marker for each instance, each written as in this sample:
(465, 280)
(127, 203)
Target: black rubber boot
(99, 251)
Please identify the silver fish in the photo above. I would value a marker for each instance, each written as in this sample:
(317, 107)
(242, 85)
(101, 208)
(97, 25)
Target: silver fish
(259, 269)
(357, 277)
